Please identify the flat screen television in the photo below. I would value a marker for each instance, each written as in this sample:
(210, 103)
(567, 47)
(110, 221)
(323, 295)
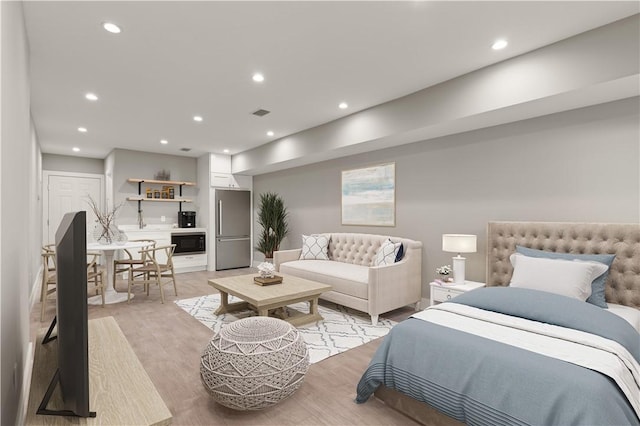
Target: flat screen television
(72, 372)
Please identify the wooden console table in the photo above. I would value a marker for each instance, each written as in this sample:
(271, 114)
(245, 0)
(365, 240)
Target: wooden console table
(120, 391)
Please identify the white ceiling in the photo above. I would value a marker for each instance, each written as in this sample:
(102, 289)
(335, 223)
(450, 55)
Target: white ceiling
(174, 60)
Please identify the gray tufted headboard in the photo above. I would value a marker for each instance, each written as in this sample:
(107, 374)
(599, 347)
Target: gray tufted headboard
(623, 240)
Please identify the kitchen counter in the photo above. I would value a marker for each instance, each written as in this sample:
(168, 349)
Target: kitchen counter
(159, 228)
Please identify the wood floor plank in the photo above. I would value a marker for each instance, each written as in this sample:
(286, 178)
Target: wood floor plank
(168, 342)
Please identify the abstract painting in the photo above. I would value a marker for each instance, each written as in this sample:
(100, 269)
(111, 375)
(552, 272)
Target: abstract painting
(369, 196)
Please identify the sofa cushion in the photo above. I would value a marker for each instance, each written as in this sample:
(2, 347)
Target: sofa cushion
(387, 253)
(314, 247)
(345, 278)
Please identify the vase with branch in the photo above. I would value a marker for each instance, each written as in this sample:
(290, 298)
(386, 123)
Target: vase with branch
(105, 230)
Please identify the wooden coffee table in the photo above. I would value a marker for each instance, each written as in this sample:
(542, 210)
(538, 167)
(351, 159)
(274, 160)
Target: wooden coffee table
(270, 298)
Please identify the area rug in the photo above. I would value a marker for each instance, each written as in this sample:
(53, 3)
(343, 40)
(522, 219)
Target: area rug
(340, 330)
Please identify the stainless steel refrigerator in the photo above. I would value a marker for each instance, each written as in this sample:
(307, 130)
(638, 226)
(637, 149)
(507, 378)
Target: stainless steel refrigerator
(233, 229)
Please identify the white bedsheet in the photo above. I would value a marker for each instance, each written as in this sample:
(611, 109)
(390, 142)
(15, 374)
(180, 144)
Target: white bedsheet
(632, 315)
(587, 350)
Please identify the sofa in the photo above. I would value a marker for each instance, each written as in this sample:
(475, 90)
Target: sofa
(356, 282)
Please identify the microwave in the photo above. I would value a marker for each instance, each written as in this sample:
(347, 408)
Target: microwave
(188, 243)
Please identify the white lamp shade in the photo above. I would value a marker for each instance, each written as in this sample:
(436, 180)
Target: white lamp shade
(459, 243)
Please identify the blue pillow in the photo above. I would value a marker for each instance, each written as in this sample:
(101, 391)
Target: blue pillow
(597, 286)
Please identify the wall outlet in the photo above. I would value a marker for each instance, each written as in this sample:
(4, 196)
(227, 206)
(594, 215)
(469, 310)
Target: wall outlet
(163, 219)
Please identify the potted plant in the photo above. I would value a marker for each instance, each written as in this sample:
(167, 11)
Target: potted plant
(272, 216)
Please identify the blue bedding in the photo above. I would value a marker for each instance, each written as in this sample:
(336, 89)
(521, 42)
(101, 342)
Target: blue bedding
(483, 382)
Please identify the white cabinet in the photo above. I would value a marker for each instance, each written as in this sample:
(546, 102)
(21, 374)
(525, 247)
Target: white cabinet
(227, 180)
(190, 262)
(444, 293)
(221, 163)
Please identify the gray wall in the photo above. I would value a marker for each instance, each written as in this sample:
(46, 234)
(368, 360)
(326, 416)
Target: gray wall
(68, 163)
(580, 165)
(20, 212)
(144, 165)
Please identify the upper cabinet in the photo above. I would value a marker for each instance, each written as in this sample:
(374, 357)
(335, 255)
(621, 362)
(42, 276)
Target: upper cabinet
(221, 176)
(221, 163)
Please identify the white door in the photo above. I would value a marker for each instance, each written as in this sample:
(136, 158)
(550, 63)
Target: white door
(68, 192)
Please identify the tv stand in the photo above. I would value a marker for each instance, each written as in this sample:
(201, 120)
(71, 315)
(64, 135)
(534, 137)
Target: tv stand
(42, 408)
(47, 337)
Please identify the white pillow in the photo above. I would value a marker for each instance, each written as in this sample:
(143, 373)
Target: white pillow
(387, 253)
(570, 278)
(314, 247)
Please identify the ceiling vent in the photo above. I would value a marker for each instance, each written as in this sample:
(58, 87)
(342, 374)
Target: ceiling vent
(185, 149)
(261, 112)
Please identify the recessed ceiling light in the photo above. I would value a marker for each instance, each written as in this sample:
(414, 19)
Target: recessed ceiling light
(91, 96)
(225, 151)
(258, 78)
(499, 44)
(76, 149)
(343, 105)
(197, 118)
(270, 133)
(82, 129)
(164, 141)
(111, 27)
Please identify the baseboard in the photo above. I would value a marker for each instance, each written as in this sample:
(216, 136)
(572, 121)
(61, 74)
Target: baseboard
(23, 402)
(190, 269)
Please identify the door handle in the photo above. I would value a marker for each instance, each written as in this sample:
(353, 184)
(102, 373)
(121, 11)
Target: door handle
(220, 217)
(232, 239)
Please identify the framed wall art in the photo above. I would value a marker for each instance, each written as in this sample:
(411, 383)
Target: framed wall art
(369, 196)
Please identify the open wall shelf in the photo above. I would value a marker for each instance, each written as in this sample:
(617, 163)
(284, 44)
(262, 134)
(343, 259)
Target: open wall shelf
(140, 198)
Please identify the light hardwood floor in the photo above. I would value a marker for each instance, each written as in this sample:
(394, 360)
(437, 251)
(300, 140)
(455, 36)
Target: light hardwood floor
(169, 342)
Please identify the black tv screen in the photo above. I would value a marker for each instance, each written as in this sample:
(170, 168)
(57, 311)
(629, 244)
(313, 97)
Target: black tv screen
(72, 324)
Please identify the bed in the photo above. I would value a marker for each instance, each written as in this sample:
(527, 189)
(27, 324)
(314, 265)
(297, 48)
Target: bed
(443, 366)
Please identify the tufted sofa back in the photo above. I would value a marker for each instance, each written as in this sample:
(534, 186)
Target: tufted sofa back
(361, 249)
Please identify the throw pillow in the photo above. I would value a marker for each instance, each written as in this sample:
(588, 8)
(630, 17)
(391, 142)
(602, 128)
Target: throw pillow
(314, 247)
(597, 286)
(387, 253)
(400, 254)
(571, 278)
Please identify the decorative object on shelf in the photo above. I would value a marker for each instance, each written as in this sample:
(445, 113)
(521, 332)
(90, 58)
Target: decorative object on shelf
(368, 196)
(445, 272)
(149, 193)
(163, 175)
(105, 230)
(266, 269)
(272, 216)
(459, 243)
(254, 363)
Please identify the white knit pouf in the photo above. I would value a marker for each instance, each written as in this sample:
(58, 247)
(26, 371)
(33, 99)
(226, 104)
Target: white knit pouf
(254, 363)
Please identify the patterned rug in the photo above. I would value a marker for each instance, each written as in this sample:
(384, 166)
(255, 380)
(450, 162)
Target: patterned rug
(342, 328)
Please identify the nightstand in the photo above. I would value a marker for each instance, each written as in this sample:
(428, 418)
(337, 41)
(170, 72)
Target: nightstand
(442, 293)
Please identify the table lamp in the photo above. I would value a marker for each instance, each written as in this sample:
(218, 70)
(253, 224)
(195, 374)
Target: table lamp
(458, 243)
